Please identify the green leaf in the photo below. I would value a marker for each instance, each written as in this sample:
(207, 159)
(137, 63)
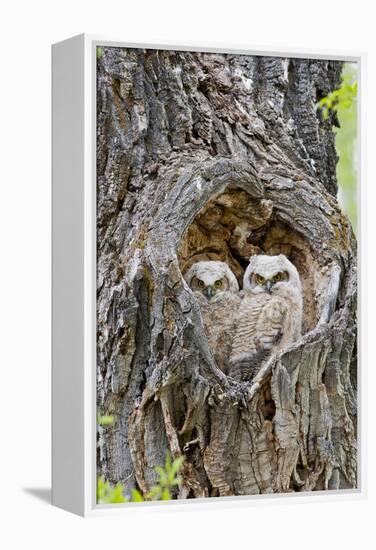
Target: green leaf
(101, 488)
(137, 496)
(177, 464)
(166, 495)
(108, 494)
(177, 481)
(105, 420)
(154, 493)
(346, 103)
(167, 480)
(117, 494)
(342, 98)
(163, 476)
(168, 462)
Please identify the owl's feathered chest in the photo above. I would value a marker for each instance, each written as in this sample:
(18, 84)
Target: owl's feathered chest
(219, 317)
(265, 323)
(219, 313)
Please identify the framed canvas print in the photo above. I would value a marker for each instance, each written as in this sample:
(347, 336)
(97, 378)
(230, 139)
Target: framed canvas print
(205, 318)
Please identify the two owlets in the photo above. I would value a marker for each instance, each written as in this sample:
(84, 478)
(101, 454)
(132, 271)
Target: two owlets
(245, 327)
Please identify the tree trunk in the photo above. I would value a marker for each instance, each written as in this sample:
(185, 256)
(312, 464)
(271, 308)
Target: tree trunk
(220, 156)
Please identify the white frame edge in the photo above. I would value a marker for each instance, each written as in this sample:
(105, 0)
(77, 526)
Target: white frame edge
(68, 241)
(74, 280)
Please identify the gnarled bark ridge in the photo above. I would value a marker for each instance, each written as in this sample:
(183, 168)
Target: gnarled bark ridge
(220, 156)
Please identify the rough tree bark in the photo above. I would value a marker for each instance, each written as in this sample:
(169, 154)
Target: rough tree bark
(220, 156)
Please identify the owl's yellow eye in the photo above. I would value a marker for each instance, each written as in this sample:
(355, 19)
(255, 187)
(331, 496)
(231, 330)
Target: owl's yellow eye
(218, 284)
(277, 277)
(200, 283)
(260, 280)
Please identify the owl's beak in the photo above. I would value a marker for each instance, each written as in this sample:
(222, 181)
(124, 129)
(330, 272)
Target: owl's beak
(209, 292)
(268, 286)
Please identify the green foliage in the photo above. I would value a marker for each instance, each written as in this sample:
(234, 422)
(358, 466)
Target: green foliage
(105, 420)
(100, 52)
(168, 479)
(109, 494)
(344, 102)
(340, 99)
(136, 496)
(346, 145)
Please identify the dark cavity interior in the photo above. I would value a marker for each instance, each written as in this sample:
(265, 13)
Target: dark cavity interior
(233, 226)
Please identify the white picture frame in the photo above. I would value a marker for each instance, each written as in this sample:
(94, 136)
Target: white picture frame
(74, 278)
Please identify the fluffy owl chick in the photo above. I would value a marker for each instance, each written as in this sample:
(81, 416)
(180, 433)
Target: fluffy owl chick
(217, 291)
(270, 315)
